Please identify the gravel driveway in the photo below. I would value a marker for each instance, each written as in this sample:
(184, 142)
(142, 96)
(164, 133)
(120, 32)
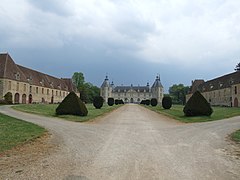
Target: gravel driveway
(132, 143)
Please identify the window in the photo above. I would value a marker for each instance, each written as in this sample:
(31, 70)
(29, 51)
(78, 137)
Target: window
(235, 89)
(37, 90)
(24, 87)
(42, 90)
(9, 85)
(17, 89)
(52, 92)
(56, 93)
(30, 89)
(17, 75)
(47, 91)
(61, 93)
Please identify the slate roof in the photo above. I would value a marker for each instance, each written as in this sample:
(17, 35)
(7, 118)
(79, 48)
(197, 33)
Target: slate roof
(10, 70)
(128, 88)
(222, 82)
(157, 83)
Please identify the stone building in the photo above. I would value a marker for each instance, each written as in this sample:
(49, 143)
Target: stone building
(221, 91)
(132, 94)
(30, 86)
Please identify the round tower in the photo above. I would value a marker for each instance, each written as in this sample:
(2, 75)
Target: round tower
(105, 90)
(157, 89)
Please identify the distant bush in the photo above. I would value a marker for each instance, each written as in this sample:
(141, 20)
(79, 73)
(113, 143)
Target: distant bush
(98, 102)
(72, 105)
(145, 102)
(2, 101)
(154, 102)
(167, 102)
(197, 105)
(142, 102)
(111, 101)
(119, 101)
(8, 98)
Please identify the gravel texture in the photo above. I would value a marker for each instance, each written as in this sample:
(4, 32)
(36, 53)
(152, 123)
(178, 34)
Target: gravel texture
(130, 143)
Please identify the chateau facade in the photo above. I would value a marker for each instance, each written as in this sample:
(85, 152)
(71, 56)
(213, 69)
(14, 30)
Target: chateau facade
(132, 94)
(29, 86)
(221, 91)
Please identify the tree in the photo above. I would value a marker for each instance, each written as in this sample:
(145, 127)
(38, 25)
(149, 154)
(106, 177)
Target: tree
(237, 68)
(78, 79)
(178, 93)
(87, 90)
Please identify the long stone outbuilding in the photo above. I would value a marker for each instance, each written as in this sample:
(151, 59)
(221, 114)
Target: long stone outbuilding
(221, 91)
(29, 86)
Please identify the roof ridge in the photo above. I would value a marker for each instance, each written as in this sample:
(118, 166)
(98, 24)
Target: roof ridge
(5, 65)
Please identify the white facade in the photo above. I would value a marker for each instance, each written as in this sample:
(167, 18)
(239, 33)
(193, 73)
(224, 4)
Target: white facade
(132, 94)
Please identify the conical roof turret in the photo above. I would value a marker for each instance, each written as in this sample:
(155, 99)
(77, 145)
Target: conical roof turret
(157, 83)
(105, 83)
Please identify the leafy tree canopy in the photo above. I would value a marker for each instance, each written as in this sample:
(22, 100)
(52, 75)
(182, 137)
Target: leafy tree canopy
(178, 93)
(237, 68)
(87, 90)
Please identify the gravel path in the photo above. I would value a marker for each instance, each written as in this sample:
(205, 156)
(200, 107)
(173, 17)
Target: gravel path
(131, 143)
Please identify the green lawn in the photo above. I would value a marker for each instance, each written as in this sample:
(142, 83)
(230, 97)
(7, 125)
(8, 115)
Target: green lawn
(49, 110)
(14, 132)
(236, 136)
(176, 112)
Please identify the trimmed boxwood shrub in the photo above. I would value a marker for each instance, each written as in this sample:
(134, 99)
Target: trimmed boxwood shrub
(147, 102)
(98, 102)
(197, 105)
(111, 101)
(8, 98)
(167, 102)
(119, 101)
(154, 102)
(72, 105)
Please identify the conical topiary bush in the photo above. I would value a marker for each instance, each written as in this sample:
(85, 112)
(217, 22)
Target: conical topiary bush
(72, 105)
(197, 105)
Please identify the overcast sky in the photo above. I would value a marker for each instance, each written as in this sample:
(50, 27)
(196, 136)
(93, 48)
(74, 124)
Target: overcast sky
(130, 40)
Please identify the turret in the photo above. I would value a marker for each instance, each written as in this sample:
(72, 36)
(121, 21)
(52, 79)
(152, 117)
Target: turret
(106, 89)
(157, 89)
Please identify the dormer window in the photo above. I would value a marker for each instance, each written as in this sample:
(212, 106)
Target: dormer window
(29, 78)
(42, 82)
(17, 76)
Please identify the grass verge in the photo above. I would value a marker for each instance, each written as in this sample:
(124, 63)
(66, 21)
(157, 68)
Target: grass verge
(176, 112)
(49, 110)
(236, 136)
(14, 132)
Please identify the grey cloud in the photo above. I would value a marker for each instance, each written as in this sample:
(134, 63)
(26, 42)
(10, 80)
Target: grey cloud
(58, 7)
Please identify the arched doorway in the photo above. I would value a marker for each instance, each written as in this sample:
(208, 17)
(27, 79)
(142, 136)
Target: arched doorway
(24, 99)
(52, 99)
(43, 100)
(16, 98)
(236, 102)
(30, 99)
(131, 100)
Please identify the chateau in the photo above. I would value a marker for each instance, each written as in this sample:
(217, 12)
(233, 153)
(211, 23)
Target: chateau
(221, 91)
(132, 94)
(29, 86)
